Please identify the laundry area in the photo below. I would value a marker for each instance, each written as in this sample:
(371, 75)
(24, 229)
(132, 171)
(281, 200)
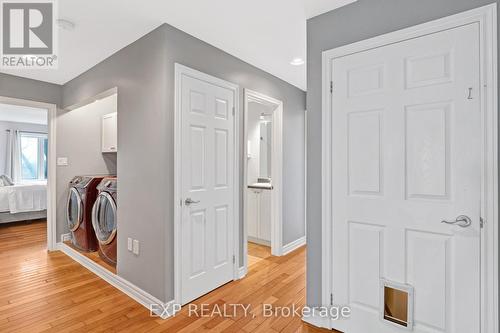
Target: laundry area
(90, 164)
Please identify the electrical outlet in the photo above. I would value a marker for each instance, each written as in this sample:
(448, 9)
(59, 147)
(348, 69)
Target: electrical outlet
(62, 161)
(129, 244)
(135, 248)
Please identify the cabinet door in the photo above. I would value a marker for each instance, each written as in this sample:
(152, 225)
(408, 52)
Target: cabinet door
(253, 213)
(110, 133)
(265, 215)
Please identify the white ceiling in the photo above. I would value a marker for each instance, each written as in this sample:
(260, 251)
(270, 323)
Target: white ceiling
(23, 114)
(266, 34)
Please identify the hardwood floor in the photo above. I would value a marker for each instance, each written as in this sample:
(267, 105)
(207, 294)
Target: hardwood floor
(94, 256)
(49, 292)
(257, 253)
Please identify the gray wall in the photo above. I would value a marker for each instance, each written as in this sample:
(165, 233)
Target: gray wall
(39, 91)
(22, 88)
(143, 72)
(4, 126)
(355, 22)
(79, 139)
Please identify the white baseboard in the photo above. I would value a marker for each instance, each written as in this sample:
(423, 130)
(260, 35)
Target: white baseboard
(316, 320)
(258, 241)
(242, 272)
(294, 245)
(65, 237)
(159, 308)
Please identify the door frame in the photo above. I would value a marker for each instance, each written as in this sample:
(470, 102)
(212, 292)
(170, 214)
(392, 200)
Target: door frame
(51, 164)
(180, 71)
(276, 169)
(486, 17)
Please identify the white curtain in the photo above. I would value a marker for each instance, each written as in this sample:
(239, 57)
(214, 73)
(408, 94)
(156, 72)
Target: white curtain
(13, 158)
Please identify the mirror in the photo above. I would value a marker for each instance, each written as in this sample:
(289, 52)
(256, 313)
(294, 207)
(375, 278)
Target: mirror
(265, 147)
(259, 145)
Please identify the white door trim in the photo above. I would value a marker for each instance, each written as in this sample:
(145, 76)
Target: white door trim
(276, 169)
(486, 17)
(181, 70)
(51, 184)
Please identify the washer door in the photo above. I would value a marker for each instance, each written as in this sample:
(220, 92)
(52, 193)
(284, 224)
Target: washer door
(104, 218)
(74, 209)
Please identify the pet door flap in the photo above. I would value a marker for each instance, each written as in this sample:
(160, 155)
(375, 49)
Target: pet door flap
(397, 304)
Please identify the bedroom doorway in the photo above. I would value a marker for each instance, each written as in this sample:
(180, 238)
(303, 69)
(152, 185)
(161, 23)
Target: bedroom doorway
(27, 168)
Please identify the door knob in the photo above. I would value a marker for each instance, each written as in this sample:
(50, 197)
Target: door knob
(462, 221)
(190, 201)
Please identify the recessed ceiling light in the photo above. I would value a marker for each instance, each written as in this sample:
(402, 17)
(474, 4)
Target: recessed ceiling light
(65, 24)
(297, 62)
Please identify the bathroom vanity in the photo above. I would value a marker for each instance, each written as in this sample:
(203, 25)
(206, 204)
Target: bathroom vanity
(259, 213)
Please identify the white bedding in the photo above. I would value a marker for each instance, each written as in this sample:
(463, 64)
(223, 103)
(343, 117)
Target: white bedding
(4, 199)
(23, 198)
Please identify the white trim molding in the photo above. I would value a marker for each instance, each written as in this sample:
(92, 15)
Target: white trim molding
(159, 308)
(65, 238)
(258, 241)
(486, 18)
(276, 172)
(292, 246)
(52, 168)
(181, 70)
(316, 319)
(242, 272)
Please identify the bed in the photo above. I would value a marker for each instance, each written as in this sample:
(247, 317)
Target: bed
(22, 202)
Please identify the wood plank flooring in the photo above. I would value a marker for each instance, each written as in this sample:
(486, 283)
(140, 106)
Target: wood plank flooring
(94, 256)
(257, 253)
(49, 292)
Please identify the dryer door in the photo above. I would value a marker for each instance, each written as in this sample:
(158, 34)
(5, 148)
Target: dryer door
(104, 218)
(74, 209)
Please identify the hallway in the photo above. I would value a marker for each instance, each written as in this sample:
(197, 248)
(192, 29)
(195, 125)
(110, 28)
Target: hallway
(42, 292)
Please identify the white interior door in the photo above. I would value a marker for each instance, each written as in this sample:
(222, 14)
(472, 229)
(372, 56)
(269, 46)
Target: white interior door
(405, 156)
(207, 187)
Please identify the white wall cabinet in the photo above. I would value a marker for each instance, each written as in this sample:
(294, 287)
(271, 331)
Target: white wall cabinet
(259, 215)
(110, 133)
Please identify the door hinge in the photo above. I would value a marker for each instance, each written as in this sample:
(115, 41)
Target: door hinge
(331, 299)
(234, 110)
(234, 259)
(331, 87)
(481, 222)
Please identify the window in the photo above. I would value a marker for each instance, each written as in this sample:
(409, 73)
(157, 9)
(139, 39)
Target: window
(34, 148)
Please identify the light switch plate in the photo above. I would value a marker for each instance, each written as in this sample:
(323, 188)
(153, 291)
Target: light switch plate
(135, 247)
(129, 244)
(62, 161)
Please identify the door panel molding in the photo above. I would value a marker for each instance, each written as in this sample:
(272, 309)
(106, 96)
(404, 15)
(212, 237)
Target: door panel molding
(486, 18)
(222, 112)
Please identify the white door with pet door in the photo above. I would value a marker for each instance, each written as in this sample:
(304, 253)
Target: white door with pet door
(406, 161)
